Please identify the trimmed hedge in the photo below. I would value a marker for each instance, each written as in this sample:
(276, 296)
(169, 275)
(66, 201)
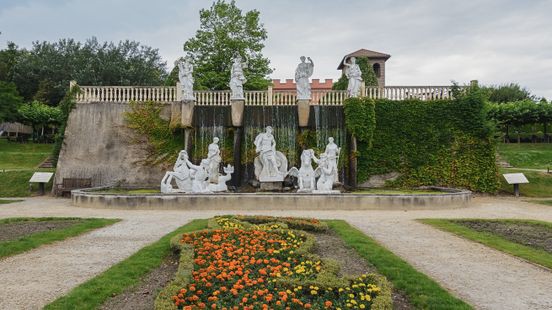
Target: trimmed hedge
(440, 142)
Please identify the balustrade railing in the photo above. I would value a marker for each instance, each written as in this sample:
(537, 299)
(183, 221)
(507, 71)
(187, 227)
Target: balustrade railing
(166, 94)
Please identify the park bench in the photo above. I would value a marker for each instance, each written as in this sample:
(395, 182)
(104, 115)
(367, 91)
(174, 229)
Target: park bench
(68, 184)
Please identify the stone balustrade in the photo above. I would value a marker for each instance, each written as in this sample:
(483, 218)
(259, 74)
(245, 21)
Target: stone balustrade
(167, 94)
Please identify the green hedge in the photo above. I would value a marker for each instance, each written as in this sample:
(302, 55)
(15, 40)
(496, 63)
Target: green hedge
(440, 142)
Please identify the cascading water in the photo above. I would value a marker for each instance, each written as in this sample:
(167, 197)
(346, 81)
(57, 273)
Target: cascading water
(212, 122)
(329, 122)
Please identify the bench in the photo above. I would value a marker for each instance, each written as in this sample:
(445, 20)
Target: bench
(69, 184)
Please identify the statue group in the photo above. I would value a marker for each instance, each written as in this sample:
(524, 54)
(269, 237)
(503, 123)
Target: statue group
(303, 72)
(202, 178)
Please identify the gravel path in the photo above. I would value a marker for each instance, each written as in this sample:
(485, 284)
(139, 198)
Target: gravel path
(483, 277)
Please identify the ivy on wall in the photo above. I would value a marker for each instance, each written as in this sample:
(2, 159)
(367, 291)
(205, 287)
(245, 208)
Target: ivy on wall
(360, 121)
(441, 142)
(161, 142)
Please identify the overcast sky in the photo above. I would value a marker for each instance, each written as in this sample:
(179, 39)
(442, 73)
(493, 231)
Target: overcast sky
(431, 42)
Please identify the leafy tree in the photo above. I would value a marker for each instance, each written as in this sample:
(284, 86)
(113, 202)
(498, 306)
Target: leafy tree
(368, 75)
(224, 32)
(37, 114)
(8, 59)
(9, 102)
(44, 72)
(508, 93)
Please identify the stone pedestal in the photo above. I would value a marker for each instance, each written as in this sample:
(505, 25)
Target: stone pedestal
(187, 113)
(272, 186)
(176, 115)
(238, 106)
(303, 110)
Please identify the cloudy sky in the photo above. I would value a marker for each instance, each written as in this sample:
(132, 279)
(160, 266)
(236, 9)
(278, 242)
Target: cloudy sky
(431, 42)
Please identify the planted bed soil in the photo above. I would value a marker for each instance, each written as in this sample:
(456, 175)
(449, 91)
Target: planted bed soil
(142, 296)
(330, 246)
(528, 234)
(16, 230)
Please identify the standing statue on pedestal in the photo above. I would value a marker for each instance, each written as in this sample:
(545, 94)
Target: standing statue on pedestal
(353, 73)
(305, 174)
(237, 78)
(186, 79)
(270, 165)
(332, 154)
(213, 156)
(302, 74)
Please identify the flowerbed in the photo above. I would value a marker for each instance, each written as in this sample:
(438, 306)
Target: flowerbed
(262, 264)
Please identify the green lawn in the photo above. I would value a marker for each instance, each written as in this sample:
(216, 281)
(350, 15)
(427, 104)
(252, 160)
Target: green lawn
(540, 183)
(22, 155)
(527, 155)
(495, 241)
(94, 292)
(13, 247)
(422, 292)
(21, 160)
(542, 202)
(6, 201)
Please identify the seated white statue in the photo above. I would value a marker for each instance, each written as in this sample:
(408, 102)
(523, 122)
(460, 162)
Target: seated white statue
(270, 165)
(305, 174)
(325, 173)
(200, 177)
(180, 174)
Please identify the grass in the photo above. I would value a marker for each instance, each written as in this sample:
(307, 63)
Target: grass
(540, 183)
(388, 191)
(13, 247)
(527, 155)
(6, 201)
(16, 183)
(22, 155)
(94, 292)
(422, 292)
(20, 160)
(542, 202)
(533, 255)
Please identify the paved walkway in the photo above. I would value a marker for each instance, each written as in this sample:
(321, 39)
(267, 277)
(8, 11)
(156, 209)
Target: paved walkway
(485, 278)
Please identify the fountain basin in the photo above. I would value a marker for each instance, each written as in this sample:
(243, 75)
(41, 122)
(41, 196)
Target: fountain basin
(446, 199)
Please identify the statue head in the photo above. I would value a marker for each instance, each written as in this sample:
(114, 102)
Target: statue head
(302, 58)
(268, 129)
(352, 60)
(183, 154)
(215, 139)
(330, 139)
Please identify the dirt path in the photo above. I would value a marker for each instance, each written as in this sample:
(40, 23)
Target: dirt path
(483, 277)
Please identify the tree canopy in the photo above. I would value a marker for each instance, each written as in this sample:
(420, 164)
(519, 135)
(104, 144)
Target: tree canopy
(507, 93)
(9, 102)
(43, 72)
(225, 31)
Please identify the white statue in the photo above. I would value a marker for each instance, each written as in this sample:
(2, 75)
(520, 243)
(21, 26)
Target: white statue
(270, 165)
(213, 156)
(181, 174)
(305, 174)
(302, 74)
(325, 173)
(237, 78)
(190, 178)
(332, 155)
(185, 76)
(353, 73)
(220, 186)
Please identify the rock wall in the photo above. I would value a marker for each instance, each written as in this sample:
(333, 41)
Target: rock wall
(98, 146)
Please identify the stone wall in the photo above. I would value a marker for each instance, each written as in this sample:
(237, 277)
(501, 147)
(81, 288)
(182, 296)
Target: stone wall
(98, 146)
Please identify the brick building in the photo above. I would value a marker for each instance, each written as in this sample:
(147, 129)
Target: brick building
(289, 85)
(376, 59)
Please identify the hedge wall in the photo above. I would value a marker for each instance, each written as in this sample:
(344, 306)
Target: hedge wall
(442, 142)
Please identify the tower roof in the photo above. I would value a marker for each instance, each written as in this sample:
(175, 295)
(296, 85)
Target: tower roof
(364, 53)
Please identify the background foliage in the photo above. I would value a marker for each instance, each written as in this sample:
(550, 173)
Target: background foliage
(224, 31)
(445, 142)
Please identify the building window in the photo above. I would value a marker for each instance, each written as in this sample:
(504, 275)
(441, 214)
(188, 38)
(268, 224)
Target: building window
(377, 69)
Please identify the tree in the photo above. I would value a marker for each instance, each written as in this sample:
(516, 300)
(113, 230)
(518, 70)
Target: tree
(8, 59)
(37, 114)
(508, 93)
(224, 32)
(9, 102)
(368, 75)
(44, 72)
